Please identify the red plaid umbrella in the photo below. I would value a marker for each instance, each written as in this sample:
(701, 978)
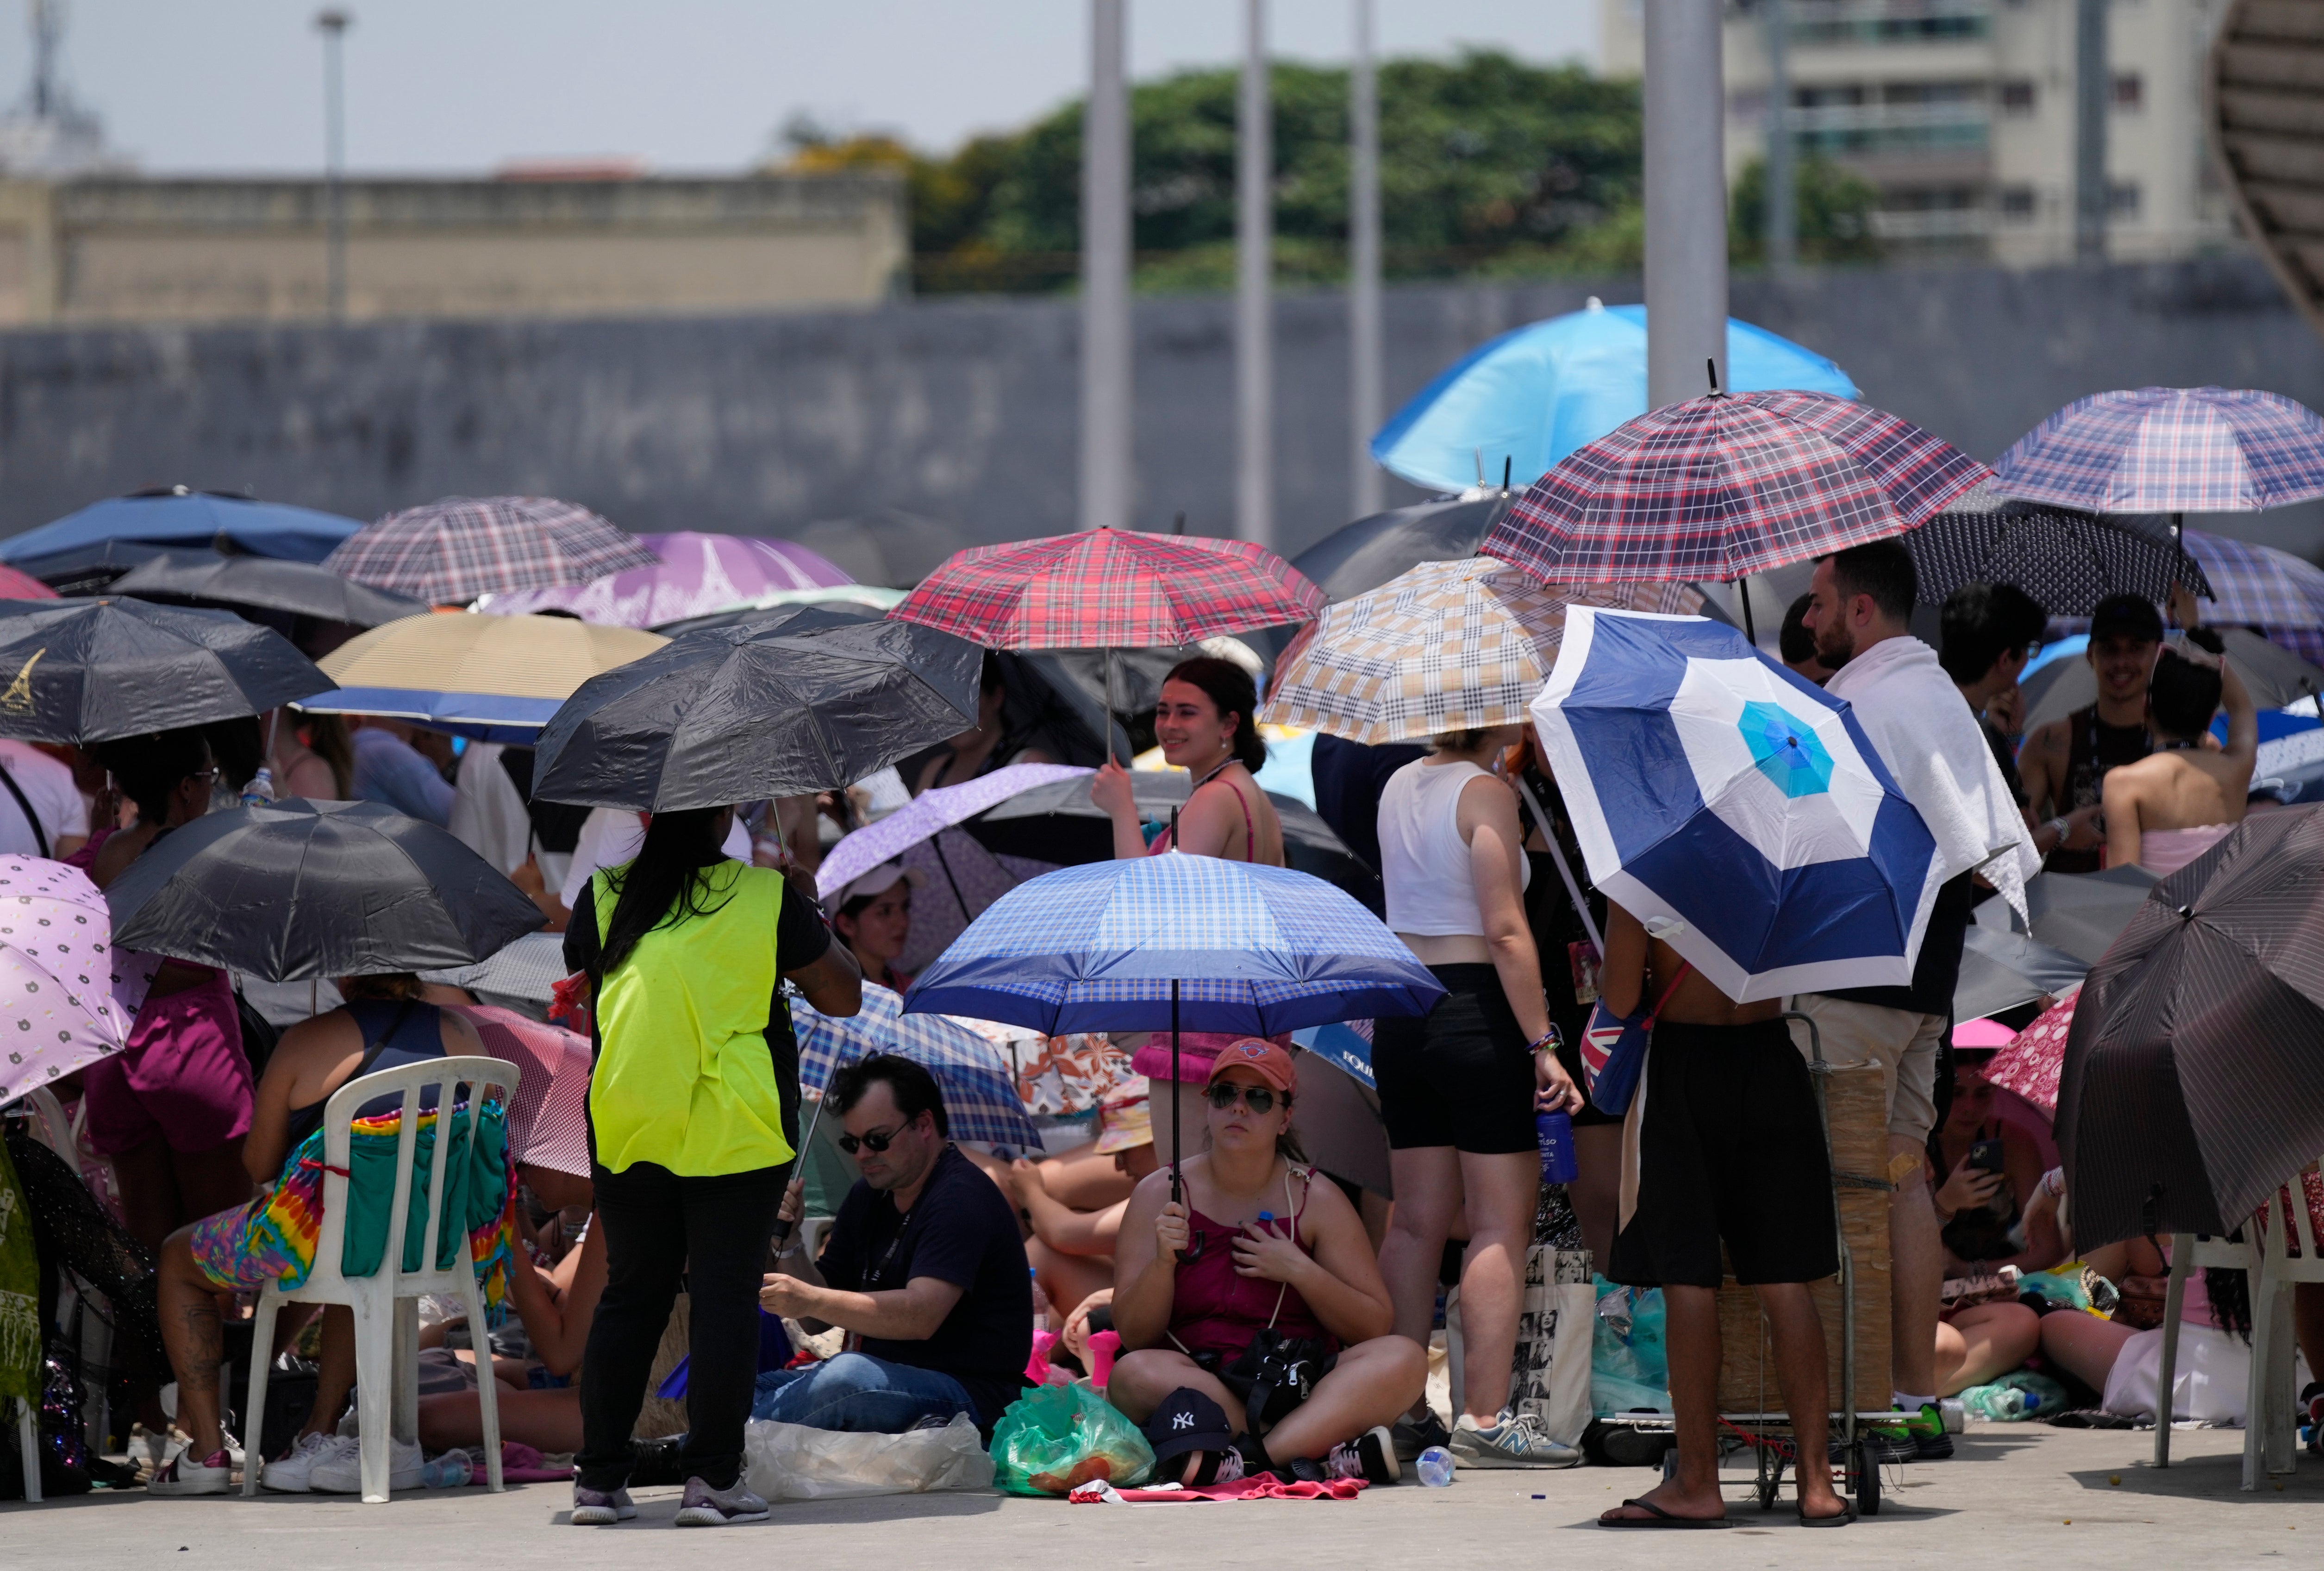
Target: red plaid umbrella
(1110, 588)
(1720, 487)
(549, 1117)
(2033, 1062)
(20, 585)
(449, 551)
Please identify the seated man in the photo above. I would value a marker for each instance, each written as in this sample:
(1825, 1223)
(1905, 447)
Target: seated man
(923, 1268)
(1072, 1250)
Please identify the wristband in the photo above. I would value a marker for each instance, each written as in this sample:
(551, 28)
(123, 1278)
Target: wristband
(2065, 830)
(1548, 1041)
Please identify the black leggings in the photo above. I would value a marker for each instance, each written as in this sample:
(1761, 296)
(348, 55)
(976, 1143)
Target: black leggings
(660, 1227)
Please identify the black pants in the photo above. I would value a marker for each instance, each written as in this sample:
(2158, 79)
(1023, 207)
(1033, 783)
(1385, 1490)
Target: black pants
(660, 1227)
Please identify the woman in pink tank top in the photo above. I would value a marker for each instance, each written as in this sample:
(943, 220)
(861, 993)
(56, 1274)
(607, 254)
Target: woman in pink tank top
(1256, 1242)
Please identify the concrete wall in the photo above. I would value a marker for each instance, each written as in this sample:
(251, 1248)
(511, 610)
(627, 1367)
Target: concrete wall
(965, 410)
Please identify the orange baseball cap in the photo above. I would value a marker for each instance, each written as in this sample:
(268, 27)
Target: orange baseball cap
(1271, 1062)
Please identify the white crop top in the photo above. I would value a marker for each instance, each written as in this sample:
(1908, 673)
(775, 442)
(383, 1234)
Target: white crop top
(1423, 861)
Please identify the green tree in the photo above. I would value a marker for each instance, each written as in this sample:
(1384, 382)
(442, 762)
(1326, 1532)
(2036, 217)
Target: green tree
(1835, 214)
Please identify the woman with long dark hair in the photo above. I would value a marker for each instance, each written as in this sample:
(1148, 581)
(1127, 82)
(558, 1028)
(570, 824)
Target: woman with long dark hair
(693, 1125)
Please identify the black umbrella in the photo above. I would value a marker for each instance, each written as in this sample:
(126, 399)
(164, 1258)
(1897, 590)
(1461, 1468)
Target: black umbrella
(301, 890)
(264, 584)
(2194, 1074)
(802, 616)
(84, 670)
(2003, 971)
(2082, 913)
(1369, 552)
(735, 714)
(886, 546)
(91, 569)
(2272, 674)
(2067, 560)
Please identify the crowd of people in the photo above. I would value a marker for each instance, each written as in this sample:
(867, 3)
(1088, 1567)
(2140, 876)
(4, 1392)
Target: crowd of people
(1271, 1317)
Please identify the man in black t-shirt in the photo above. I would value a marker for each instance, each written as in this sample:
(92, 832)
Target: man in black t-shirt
(924, 1267)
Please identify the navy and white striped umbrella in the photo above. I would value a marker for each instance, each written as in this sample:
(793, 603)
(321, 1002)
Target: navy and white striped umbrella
(1738, 812)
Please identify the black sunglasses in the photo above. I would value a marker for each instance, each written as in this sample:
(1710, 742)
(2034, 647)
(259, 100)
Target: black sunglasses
(1225, 1094)
(876, 1142)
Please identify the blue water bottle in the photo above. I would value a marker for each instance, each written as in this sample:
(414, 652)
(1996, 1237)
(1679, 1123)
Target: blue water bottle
(1554, 1133)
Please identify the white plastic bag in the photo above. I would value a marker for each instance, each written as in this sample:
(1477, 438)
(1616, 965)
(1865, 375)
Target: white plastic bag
(793, 1462)
(1549, 1377)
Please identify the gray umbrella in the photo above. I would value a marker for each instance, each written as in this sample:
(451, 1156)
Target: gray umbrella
(264, 584)
(2082, 913)
(2001, 971)
(87, 670)
(2271, 673)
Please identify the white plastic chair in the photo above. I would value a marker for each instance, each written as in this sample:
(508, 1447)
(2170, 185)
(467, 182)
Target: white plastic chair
(2271, 1427)
(386, 1304)
(28, 1446)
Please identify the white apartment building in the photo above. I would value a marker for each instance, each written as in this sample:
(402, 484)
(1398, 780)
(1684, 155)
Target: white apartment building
(1962, 113)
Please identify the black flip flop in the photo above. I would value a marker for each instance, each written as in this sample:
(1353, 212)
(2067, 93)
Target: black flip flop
(1658, 1518)
(1847, 1515)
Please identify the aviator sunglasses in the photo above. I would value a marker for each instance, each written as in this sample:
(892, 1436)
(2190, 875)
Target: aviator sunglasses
(1225, 1094)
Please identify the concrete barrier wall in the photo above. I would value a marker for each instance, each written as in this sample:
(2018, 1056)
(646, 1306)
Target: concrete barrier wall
(966, 409)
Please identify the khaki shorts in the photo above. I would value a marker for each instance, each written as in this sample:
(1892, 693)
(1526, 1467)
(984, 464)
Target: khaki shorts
(1902, 1043)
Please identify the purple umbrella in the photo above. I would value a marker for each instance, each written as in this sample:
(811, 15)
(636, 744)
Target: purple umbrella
(70, 996)
(2170, 449)
(451, 551)
(2271, 590)
(699, 575)
(929, 813)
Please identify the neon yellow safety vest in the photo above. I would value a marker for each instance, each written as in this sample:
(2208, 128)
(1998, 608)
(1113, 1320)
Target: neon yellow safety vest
(684, 1077)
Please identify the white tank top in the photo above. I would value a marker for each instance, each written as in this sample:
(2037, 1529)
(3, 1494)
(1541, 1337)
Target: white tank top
(1423, 861)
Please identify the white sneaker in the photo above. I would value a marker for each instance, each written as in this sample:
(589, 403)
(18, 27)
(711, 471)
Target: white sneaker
(183, 1474)
(343, 1473)
(294, 1474)
(594, 1508)
(1513, 1440)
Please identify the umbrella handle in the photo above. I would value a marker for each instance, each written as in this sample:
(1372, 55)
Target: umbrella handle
(782, 1233)
(1177, 1104)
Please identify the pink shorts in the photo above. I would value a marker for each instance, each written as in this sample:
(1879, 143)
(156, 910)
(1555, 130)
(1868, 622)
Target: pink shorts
(183, 1078)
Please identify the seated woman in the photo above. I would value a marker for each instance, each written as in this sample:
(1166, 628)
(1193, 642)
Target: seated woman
(873, 917)
(1979, 1209)
(1072, 1250)
(555, 1308)
(382, 1025)
(1259, 1244)
(2179, 801)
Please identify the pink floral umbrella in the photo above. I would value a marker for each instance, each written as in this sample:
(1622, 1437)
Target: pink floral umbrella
(67, 997)
(699, 575)
(2032, 1064)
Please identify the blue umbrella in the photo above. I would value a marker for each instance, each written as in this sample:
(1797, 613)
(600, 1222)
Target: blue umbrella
(980, 1095)
(1533, 395)
(1737, 811)
(181, 517)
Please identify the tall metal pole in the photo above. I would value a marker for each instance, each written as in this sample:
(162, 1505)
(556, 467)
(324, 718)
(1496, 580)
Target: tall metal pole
(1364, 349)
(2093, 88)
(1687, 199)
(1107, 450)
(333, 25)
(1782, 217)
(1254, 289)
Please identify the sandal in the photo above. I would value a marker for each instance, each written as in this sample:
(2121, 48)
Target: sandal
(1658, 1518)
(1846, 1514)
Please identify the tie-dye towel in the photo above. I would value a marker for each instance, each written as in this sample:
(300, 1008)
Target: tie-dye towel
(273, 1238)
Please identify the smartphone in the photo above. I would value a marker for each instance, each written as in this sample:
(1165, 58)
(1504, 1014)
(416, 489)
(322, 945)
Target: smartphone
(1985, 1156)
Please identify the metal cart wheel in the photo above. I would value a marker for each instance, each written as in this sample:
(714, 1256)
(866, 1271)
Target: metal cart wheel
(1867, 1477)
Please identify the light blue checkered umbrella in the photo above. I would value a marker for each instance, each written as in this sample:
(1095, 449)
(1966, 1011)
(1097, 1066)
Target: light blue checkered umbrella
(1737, 811)
(2170, 449)
(980, 1096)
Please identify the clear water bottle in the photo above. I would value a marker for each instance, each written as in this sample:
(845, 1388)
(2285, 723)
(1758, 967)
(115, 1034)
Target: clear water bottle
(1553, 1132)
(1436, 1467)
(1040, 1304)
(1998, 1404)
(260, 791)
(453, 1470)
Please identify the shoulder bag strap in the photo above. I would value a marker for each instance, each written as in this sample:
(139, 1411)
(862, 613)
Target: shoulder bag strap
(1656, 1013)
(40, 835)
(1557, 855)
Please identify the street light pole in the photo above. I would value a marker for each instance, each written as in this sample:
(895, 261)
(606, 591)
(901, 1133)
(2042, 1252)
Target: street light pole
(2093, 88)
(1107, 441)
(1254, 288)
(1781, 219)
(1364, 320)
(333, 25)
(1685, 200)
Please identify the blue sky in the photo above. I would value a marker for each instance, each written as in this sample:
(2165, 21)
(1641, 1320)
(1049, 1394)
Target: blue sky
(444, 86)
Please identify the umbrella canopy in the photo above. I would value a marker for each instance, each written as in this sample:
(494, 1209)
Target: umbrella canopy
(1448, 646)
(178, 516)
(2003, 971)
(71, 996)
(1369, 552)
(15, 585)
(1110, 588)
(885, 546)
(2271, 590)
(1195, 942)
(527, 969)
(264, 584)
(1532, 396)
(2068, 561)
(1737, 811)
(697, 576)
(2035, 1057)
(2082, 913)
(929, 814)
(1722, 487)
(450, 551)
(2194, 1075)
(549, 1115)
(2170, 449)
(734, 714)
(980, 1097)
(84, 670)
(2274, 676)
(300, 889)
(92, 570)
(496, 678)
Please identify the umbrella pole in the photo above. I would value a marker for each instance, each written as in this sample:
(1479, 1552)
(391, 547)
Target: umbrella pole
(783, 1228)
(935, 844)
(1109, 706)
(1743, 593)
(2179, 544)
(1177, 1098)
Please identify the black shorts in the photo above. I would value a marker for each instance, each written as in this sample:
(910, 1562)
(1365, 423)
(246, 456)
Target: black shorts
(1460, 1077)
(1729, 1148)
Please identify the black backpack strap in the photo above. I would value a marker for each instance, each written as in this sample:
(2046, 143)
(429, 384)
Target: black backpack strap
(40, 835)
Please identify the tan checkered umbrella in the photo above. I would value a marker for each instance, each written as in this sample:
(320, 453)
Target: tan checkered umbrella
(1448, 646)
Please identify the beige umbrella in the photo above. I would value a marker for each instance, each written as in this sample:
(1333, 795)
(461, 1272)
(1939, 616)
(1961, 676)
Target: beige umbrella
(496, 679)
(1448, 646)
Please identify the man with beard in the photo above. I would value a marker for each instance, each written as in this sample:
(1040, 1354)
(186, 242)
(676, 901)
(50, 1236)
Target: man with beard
(2065, 762)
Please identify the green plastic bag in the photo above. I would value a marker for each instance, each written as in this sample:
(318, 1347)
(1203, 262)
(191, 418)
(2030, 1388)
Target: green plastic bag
(1056, 1437)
